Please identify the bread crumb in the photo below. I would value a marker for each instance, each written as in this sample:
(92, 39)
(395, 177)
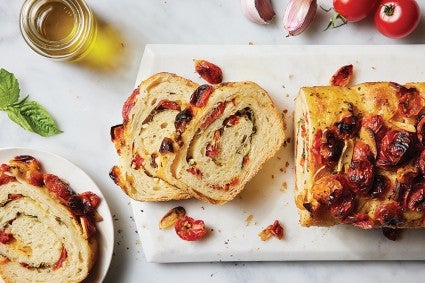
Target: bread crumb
(284, 187)
(249, 219)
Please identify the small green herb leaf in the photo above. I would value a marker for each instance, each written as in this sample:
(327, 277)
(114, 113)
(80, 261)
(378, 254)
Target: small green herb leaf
(40, 120)
(9, 89)
(15, 115)
(28, 114)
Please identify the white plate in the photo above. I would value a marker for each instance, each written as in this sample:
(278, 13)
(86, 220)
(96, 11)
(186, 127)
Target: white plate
(79, 182)
(281, 70)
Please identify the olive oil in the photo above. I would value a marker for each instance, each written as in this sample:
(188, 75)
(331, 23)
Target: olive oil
(56, 21)
(68, 30)
(58, 29)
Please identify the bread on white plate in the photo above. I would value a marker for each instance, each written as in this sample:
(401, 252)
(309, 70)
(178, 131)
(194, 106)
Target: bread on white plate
(47, 232)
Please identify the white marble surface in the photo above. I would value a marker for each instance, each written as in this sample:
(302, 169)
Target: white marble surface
(86, 102)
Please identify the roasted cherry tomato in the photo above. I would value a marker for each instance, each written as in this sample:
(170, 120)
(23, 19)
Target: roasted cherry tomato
(189, 229)
(397, 18)
(354, 10)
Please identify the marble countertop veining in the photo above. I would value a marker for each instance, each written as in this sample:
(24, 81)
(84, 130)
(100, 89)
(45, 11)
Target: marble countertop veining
(91, 100)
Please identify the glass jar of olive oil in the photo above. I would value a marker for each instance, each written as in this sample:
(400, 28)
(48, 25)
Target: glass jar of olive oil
(58, 29)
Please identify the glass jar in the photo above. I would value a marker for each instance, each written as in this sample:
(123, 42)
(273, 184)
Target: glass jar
(58, 29)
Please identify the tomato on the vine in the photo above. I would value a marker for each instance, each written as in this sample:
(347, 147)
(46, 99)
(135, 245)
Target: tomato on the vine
(397, 18)
(354, 10)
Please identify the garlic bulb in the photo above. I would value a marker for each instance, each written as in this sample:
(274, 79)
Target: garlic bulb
(298, 15)
(258, 11)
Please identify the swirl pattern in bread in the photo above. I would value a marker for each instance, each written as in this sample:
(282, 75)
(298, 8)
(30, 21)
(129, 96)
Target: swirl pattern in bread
(47, 232)
(148, 118)
(227, 140)
(179, 139)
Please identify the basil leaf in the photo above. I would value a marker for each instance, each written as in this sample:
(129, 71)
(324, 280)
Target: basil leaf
(15, 115)
(34, 118)
(40, 120)
(9, 89)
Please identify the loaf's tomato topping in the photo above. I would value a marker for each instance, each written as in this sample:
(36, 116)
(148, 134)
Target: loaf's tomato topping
(212, 150)
(129, 104)
(245, 160)
(327, 147)
(137, 162)
(410, 101)
(166, 146)
(393, 148)
(6, 238)
(341, 203)
(381, 186)
(360, 175)
(90, 197)
(233, 120)
(209, 71)
(190, 229)
(61, 260)
(201, 95)
(4, 176)
(59, 188)
(389, 214)
(348, 126)
(195, 171)
(343, 76)
(167, 104)
(373, 122)
(415, 199)
(420, 129)
(360, 220)
(214, 115)
(182, 119)
(14, 196)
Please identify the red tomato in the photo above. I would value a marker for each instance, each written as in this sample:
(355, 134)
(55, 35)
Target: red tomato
(397, 18)
(189, 229)
(354, 10)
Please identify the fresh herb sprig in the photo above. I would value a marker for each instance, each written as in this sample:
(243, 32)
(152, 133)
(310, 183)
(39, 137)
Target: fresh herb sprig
(30, 115)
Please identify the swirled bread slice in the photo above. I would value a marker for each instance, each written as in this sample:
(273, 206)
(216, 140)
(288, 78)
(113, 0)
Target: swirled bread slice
(360, 155)
(47, 233)
(226, 133)
(148, 119)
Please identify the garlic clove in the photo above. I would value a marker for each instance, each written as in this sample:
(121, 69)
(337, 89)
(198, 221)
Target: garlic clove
(298, 15)
(258, 11)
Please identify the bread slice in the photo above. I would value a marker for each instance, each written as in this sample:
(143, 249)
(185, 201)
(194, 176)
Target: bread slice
(42, 239)
(227, 140)
(359, 155)
(148, 119)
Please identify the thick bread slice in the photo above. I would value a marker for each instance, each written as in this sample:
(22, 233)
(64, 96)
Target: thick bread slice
(321, 108)
(227, 140)
(41, 240)
(149, 115)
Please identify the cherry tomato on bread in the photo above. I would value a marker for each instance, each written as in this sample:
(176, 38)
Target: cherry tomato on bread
(354, 10)
(397, 18)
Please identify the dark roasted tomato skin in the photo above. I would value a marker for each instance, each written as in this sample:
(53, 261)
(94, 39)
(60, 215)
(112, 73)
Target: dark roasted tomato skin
(394, 148)
(389, 214)
(348, 126)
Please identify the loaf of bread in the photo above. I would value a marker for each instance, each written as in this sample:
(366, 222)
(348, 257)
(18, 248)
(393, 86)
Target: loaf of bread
(148, 120)
(179, 139)
(47, 233)
(360, 155)
(234, 129)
